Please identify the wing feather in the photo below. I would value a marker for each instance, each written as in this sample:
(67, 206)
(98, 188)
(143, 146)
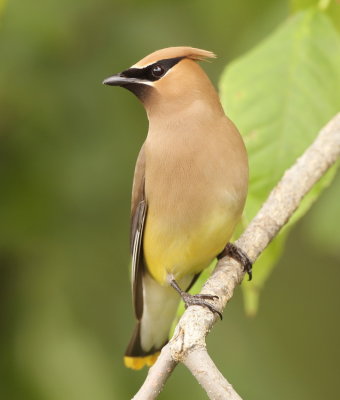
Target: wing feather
(138, 216)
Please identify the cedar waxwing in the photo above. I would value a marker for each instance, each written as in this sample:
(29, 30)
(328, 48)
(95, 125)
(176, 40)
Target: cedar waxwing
(188, 194)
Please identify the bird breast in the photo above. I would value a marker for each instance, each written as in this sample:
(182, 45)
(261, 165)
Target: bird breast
(195, 187)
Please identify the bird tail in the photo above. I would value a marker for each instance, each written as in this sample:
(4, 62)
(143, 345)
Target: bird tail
(135, 357)
(151, 333)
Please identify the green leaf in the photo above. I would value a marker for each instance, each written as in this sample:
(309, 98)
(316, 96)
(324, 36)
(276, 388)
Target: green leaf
(330, 7)
(264, 266)
(280, 95)
(323, 222)
(298, 5)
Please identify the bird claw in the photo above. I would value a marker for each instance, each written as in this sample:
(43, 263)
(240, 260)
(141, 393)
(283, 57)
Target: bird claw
(200, 300)
(207, 296)
(239, 255)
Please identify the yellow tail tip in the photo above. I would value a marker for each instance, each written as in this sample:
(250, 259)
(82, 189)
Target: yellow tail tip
(139, 362)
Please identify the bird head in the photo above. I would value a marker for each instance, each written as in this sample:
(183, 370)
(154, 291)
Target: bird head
(168, 79)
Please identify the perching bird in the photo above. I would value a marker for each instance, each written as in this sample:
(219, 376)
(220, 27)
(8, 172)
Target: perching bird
(189, 190)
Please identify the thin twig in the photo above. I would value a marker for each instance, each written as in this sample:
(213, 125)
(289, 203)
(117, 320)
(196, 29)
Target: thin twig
(188, 343)
(157, 376)
(209, 377)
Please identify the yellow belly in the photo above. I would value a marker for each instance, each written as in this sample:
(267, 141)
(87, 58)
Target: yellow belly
(181, 250)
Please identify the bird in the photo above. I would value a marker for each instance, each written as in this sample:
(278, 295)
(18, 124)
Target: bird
(188, 193)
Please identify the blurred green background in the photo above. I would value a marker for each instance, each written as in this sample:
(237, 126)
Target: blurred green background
(67, 152)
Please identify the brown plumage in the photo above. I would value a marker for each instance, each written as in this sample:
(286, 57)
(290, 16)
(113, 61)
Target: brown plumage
(189, 188)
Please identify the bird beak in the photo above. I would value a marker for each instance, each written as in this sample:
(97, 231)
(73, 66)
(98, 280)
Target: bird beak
(116, 80)
(139, 87)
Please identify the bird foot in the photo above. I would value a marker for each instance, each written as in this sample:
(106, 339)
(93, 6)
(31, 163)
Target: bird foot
(200, 300)
(239, 255)
(195, 299)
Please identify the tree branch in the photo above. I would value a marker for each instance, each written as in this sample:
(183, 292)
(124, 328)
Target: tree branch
(188, 342)
(208, 376)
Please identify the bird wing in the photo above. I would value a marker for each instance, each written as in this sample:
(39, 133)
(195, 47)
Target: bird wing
(138, 214)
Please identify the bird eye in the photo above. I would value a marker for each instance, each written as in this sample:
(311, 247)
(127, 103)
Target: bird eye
(157, 71)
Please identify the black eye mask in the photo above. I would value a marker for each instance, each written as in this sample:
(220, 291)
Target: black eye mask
(152, 72)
